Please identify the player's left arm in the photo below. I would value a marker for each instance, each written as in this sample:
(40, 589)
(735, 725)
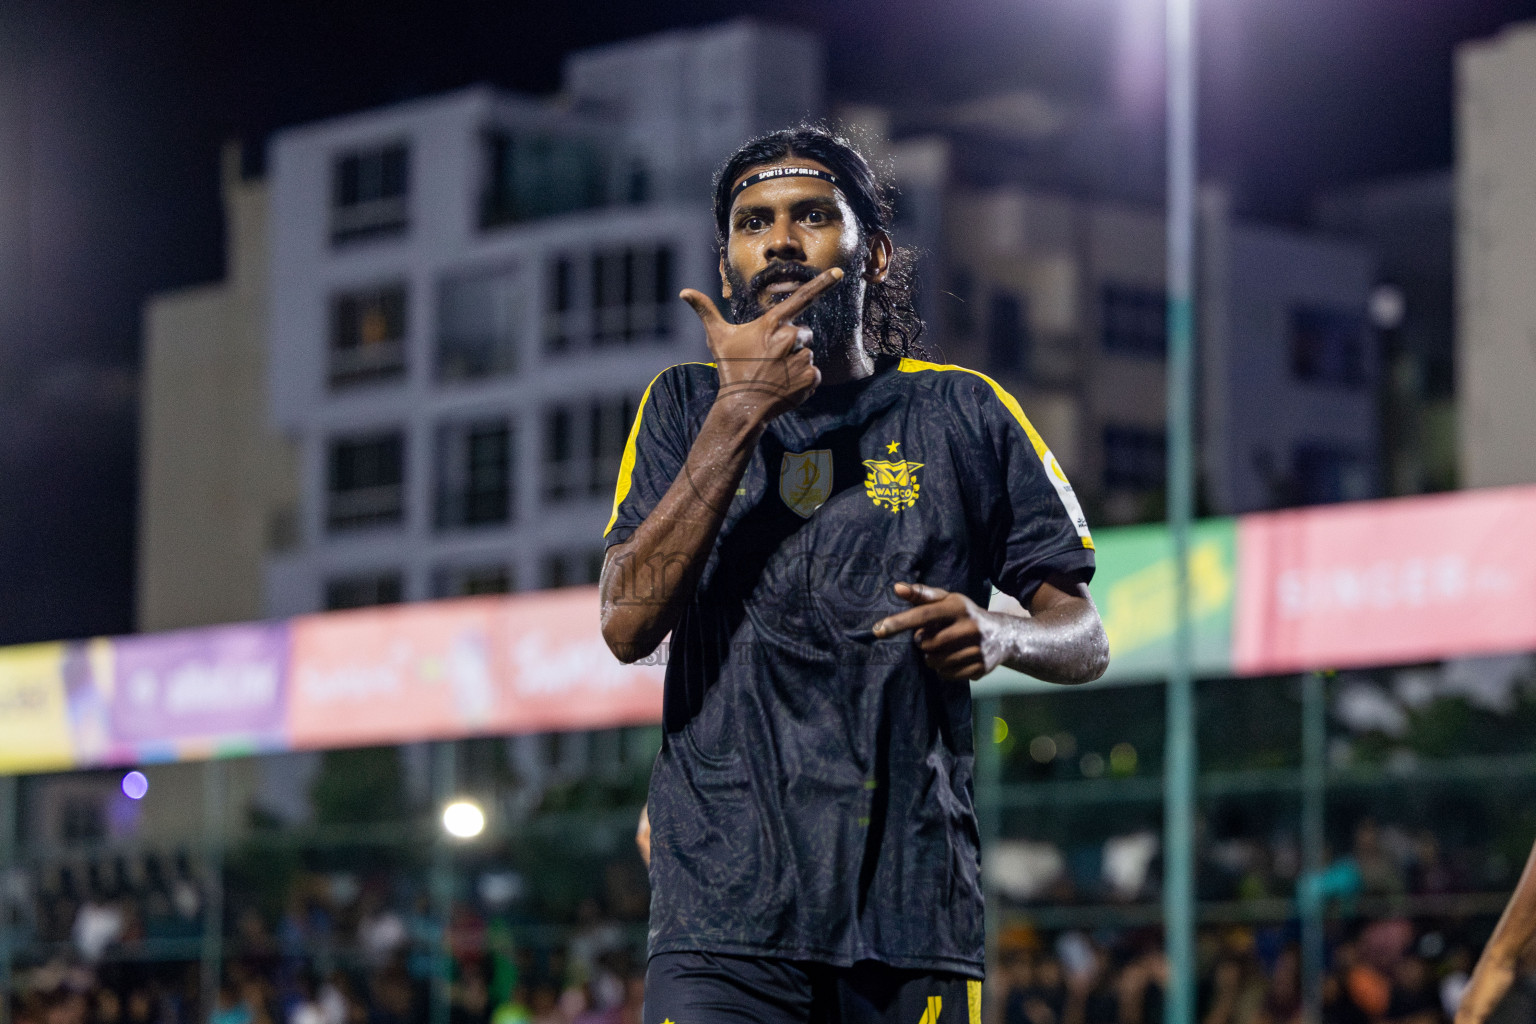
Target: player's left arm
(1061, 640)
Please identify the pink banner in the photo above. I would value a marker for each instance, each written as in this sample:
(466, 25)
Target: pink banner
(560, 673)
(528, 663)
(1386, 582)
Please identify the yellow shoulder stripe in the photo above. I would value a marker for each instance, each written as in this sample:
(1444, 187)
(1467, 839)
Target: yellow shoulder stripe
(1053, 470)
(627, 463)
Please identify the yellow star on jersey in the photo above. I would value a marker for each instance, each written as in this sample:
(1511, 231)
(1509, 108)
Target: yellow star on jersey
(891, 448)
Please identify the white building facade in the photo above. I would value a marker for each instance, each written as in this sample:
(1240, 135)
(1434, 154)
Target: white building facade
(470, 294)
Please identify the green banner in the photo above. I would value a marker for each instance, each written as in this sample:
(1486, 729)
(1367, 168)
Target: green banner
(1133, 587)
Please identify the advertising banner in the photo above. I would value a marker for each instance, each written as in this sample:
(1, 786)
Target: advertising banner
(1133, 588)
(528, 663)
(34, 725)
(561, 674)
(198, 692)
(1387, 582)
(381, 675)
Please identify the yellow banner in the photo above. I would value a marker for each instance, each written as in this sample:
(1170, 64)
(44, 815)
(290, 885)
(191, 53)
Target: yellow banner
(34, 722)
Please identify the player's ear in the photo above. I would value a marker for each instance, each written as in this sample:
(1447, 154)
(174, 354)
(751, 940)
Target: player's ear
(725, 282)
(877, 266)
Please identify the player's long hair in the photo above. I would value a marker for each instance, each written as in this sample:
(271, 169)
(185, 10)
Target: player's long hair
(891, 323)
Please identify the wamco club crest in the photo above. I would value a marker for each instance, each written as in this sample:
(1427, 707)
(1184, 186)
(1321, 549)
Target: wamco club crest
(892, 484)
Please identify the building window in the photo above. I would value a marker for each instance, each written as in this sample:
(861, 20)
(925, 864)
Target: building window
(474, 474)
(533, 176)
(366, 486)
(609, 298)
(1007, 333)
(370, 193)
(1323, 474)
(583, 445)
(363, 591)
(571, 568)
(1135, 321)
(472, 581)
(368, 335)
(479, 320)
(1135, 458)
(1328, 347)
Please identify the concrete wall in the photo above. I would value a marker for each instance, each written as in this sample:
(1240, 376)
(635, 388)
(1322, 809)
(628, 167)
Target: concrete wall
(1496, 258)
(215, 484)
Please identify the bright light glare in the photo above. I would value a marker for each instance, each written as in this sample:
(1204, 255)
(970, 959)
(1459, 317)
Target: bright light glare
(464, 819)
(135, 785)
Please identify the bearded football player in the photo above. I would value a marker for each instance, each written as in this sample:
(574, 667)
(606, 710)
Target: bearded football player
(818, 518)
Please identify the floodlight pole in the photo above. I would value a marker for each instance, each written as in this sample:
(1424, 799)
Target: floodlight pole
(1179, 768)
(9, 862)
(444, 785)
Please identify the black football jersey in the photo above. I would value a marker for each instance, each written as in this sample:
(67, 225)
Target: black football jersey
(813, 795)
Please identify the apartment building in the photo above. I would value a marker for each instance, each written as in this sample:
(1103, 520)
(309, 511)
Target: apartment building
(469, 295)
(1063, 300)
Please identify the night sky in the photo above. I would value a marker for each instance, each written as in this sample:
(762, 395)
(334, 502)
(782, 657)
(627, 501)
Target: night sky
(112, 114)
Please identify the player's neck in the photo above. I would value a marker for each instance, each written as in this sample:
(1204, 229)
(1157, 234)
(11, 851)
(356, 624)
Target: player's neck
(849, 363)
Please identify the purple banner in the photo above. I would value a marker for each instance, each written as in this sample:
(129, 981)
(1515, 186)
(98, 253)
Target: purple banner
(219, 685)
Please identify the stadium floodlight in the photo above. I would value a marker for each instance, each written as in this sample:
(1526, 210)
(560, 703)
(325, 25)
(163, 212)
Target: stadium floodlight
(463, 819)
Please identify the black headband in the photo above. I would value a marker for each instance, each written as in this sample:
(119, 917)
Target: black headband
(782, 172)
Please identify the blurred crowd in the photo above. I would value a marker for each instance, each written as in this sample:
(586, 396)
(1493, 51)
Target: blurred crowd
(1379, 860)
(1392, 971)
(117, 941)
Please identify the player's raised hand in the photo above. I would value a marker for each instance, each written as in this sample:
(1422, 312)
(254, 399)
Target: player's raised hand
(765, 366)
(958, 638)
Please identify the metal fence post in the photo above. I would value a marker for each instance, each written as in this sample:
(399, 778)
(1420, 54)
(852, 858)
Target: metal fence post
(215, 794)
(1314, 737)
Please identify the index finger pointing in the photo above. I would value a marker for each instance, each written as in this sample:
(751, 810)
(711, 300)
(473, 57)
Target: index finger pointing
(909, 619)
(805, 294)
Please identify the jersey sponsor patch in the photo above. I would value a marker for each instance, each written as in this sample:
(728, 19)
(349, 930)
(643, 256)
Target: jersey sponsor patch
(805, 480)
(1068, 497)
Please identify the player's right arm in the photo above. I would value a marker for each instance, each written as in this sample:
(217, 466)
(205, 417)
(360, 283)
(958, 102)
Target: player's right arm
(765, 368)
(1495, 970)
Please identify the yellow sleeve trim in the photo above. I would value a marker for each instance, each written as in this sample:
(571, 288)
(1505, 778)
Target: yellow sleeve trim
(627, 463)
(1053, 470)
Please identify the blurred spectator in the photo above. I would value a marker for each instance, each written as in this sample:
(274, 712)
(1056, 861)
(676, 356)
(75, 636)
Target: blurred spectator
(230, 1008)
(1412, 998)
(305, 1008)
(1282, 999)
(514, 1009)
(381, 932)
(546, 1005)
(98, 924)
(1380, 872)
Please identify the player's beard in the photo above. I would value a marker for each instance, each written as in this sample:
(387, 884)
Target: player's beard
(833, 317)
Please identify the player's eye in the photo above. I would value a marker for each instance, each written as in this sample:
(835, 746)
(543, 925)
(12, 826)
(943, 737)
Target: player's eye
(750, 224)
(816, 217)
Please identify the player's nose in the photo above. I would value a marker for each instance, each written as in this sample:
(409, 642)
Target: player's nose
(782, 243)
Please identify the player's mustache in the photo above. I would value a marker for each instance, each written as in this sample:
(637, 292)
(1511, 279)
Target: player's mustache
(777, 273)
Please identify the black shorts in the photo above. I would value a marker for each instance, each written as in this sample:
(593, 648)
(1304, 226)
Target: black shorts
(712, 988)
